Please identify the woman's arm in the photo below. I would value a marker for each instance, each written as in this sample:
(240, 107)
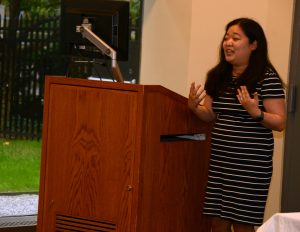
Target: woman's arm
(275, 115)
(203, 111)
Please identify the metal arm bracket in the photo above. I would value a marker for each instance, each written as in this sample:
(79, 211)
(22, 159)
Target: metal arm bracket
(85, 30)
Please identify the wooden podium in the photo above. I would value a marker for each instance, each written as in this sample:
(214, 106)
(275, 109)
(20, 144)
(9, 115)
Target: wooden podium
(121, 157)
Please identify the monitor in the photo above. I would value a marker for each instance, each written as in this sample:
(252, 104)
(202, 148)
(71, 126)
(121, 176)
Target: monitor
(109, 20)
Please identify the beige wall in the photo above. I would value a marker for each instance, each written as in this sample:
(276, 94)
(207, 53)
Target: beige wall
(180, 43)
(166, 43)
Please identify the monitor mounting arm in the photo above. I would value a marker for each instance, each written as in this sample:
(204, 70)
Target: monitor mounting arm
(85, 30)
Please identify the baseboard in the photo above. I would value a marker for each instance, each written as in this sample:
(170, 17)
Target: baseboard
(18, 223)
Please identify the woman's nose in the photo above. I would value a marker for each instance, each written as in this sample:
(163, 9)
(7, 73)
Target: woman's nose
(228, 42)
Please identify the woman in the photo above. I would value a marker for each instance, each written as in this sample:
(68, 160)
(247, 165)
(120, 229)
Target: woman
(244, 95)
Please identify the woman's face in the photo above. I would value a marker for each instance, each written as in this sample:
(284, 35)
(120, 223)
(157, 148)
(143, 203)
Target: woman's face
(236, 46)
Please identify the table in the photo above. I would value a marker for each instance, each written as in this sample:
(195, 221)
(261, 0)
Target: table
(282, 222)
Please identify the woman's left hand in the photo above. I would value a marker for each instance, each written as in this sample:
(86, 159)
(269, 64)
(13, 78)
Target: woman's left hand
(250, 104)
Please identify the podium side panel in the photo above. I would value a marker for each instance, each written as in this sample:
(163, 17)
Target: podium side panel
(174, 173)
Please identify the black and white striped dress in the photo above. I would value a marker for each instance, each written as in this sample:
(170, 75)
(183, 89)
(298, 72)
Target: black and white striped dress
(241, 157)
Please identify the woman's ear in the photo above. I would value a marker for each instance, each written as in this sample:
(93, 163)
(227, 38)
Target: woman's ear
(253, 45)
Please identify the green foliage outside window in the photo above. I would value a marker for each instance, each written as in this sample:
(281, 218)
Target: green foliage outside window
(31, 7)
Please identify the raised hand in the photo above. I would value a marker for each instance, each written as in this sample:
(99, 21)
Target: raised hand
(250, 104)
(196, 95)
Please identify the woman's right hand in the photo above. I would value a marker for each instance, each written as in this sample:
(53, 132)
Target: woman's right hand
(196, 95)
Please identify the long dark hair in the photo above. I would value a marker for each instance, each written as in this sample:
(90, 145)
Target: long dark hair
(220, 75)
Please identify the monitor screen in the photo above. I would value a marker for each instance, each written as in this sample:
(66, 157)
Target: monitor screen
(109, 20)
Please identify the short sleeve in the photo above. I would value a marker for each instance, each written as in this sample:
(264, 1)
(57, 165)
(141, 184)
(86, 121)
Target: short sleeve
(272, 86)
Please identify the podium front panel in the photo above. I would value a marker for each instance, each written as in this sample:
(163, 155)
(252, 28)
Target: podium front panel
(88, 159)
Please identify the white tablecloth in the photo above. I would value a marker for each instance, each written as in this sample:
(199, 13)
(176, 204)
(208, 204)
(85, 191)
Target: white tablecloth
(282, 222)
